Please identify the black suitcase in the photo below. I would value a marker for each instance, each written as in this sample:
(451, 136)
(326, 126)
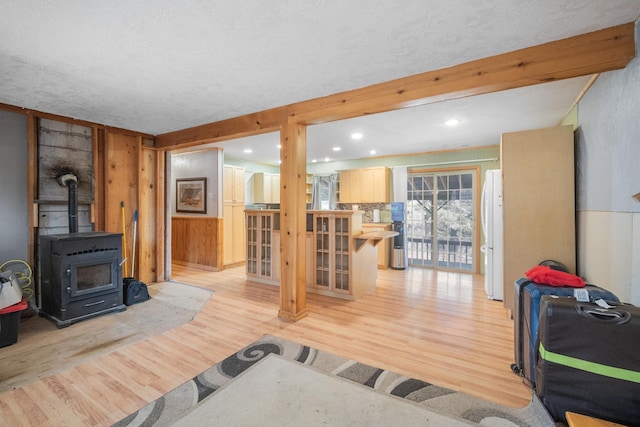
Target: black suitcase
(134, 291)
(525, 322)
(588, 360)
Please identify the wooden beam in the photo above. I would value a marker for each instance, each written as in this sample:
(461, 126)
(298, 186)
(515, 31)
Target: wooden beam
(250, 124)
(64, 119)
(591, 53)
(293, 303)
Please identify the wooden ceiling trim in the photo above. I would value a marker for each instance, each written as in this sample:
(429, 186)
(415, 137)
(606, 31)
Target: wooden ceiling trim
(591, 53)
(250, 124)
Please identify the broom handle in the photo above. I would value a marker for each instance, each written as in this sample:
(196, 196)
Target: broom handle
(133, 255)
(124, 239)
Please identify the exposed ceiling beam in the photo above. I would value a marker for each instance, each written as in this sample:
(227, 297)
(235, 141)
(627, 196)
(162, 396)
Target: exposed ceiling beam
(591, 53)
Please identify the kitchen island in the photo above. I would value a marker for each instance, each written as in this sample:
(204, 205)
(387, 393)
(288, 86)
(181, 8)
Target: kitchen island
(341, 259)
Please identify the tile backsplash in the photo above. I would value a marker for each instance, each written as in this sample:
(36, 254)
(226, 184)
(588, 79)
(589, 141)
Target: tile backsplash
(366, 209)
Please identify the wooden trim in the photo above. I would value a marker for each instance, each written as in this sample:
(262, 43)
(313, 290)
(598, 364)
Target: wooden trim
(591, 53)
(64, 119)
(293, 302)
(250, 124)
(161, 217)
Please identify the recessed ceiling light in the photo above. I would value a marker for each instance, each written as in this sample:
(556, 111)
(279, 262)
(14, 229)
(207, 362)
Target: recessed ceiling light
(326, 159)
(452, 122)
(248, 150)
(356, 135)
(313, 161)
(279, 146)
(279, 161)
(372, 152)
(336, 148)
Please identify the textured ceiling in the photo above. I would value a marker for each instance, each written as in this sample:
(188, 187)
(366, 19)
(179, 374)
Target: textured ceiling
(156, 66)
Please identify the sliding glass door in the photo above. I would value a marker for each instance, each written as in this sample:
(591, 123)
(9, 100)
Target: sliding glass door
(440, 220)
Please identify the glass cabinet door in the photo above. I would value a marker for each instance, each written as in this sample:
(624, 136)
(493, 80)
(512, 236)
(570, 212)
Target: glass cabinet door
(252, 244)
(265, 245)
(332, 253)
(341, 254)
(323, 252)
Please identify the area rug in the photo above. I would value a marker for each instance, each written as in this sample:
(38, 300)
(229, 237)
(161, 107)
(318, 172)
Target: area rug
(195, 400)
(43, 349)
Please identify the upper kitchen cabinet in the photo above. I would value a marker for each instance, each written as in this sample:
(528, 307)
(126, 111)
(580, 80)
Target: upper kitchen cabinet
(266, 187)
(233, 184)
(367, 185)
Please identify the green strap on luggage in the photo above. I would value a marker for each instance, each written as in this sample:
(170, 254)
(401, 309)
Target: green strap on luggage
(584, 365)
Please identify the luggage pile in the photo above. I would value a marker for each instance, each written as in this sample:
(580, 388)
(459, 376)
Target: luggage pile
(577, 346)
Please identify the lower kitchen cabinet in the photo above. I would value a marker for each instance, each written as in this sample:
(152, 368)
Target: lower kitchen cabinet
(335, 265)
(340, 268)
(260, 248)
(384, 247)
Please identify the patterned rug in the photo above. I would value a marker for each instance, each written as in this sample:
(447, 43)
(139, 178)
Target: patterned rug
(171, 407)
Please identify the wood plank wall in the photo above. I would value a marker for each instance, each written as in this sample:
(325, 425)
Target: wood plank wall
(194, 241)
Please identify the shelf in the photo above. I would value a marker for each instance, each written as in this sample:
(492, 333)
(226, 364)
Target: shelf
(374, 237)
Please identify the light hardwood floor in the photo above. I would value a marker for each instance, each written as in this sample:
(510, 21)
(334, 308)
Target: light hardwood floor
(435, 326)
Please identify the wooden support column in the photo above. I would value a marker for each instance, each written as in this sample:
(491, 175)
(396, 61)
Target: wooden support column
(293, 297)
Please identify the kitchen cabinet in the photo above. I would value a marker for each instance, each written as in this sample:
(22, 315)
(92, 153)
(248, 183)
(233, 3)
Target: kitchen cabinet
(266, 187)
(340, 269)
(233, 186)
(384, 251)
(260, 246)
(336, 265)
(366, 185)
(538, 194)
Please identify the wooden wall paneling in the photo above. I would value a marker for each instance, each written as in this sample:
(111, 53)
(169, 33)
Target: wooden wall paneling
(293, 303)
(147, 239)
(121, 185)
(161, 217)
(192, 239)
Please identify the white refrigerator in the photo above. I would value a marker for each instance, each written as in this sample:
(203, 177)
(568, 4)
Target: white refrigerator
(493, 229)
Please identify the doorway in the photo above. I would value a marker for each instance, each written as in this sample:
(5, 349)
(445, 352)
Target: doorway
(440, 220)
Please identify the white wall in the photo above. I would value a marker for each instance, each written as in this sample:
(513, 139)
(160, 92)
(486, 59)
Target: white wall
(14, 152)
(196, 164)
(608, 174)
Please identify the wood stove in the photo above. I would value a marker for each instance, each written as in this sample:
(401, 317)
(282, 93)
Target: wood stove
(80, 276)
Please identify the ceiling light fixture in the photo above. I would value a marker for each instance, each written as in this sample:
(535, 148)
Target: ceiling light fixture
(452, 122)
(313, 161)
(356, 135)
(336, 148)
(326, 159)
(279, 146)
(248, 150)
(372, 152)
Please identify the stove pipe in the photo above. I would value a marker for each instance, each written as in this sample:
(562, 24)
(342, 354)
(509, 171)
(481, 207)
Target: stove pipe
(70, 181)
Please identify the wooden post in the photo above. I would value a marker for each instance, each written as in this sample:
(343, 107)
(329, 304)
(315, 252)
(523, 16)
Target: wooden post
(293, 298)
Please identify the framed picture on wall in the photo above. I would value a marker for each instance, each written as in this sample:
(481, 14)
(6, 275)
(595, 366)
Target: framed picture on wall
(191, 195)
